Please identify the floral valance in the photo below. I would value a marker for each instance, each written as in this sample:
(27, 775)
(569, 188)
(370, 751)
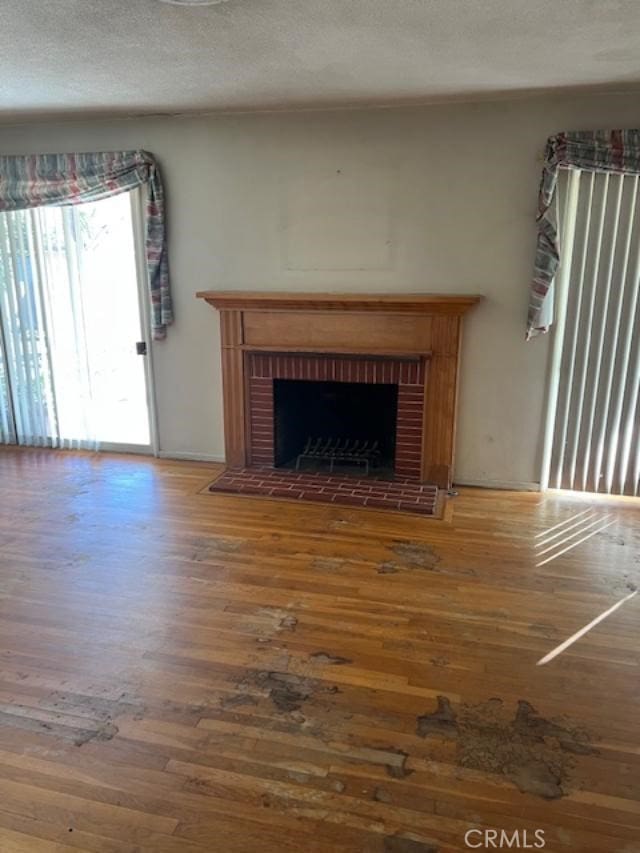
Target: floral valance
(591, 150)
(35, 180)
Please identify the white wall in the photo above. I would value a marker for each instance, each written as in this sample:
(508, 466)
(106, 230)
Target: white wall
(451, 191)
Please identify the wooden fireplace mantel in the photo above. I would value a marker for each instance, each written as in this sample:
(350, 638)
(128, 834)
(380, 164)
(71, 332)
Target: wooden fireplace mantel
(415, 325)
(389, 303)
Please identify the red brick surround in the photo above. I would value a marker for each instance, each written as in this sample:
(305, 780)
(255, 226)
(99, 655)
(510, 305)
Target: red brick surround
(407, 373)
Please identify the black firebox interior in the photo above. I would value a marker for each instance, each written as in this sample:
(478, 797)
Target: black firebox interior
(341, 417)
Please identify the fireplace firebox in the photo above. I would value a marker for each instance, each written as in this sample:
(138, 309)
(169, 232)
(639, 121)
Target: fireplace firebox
(335, 426)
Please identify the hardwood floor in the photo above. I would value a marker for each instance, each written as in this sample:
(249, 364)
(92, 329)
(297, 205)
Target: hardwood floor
(196, 672)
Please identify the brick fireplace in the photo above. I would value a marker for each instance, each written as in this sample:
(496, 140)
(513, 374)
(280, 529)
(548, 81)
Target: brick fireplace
(331, 347)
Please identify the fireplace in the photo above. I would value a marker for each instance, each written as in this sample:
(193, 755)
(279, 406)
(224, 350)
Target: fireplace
(305, 373)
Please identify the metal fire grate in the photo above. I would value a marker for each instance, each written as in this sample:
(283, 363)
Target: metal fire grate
(342, 451)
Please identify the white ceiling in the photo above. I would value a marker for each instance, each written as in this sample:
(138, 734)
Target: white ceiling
(142, 56)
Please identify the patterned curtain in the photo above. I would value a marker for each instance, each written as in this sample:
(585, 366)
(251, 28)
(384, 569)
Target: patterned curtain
(35, 180)
(591, 150)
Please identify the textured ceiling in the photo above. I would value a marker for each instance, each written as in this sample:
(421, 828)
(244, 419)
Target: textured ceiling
(143, 56)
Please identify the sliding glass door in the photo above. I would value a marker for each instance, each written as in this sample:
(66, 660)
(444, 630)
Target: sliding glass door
(592, 440)
(70, 319)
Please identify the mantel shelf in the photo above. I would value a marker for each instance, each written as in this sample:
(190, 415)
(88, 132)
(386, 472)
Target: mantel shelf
(386, 303)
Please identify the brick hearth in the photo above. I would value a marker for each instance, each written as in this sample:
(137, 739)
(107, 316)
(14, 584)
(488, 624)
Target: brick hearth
(400, 494)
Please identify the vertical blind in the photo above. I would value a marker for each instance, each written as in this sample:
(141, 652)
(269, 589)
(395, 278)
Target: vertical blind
(7, 431)
(42, 330)
(592, 440)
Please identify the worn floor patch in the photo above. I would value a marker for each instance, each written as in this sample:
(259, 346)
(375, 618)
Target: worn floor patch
(388, 568)
(209, 548)
(271, 620)
(105, 731)
(326, 564)
(381, 795)
(288, 692)
(237, 700)
(402, 844)
(288, 623)
(78, 735)
(326, 658)
(409, 556)
(416, 555)
(72, 717)
(397, 769)
(534, 753)
(442, 722)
